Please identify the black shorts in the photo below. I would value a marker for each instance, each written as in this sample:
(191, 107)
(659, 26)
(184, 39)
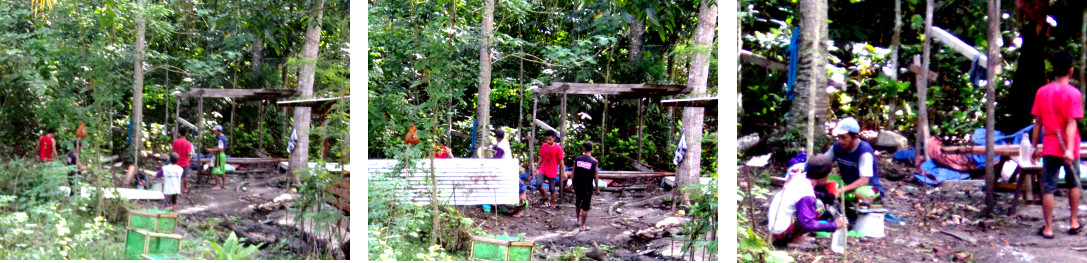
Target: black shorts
(1051, 166)
(583, 201)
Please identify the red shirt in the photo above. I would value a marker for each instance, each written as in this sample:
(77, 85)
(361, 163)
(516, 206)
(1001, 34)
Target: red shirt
(182, 147)
(45, 152)
(1054, 104)
(442, 153)
(550, 158)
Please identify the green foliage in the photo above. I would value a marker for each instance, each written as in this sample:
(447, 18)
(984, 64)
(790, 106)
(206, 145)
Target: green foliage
(574, 254)
(750, 246)
(401, 230)
(313, 193)
(233, 249)
(703, 212)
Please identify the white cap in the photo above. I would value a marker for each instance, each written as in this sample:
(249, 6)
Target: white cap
(847, 125)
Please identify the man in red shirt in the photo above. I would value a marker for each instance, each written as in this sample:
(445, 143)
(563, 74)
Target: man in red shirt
(47, 146)
(550, 162)
(443, 152)
(184, 151)
(1057, 107)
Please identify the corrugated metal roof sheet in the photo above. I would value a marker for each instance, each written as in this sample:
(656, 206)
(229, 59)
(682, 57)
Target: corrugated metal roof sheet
(460, 181)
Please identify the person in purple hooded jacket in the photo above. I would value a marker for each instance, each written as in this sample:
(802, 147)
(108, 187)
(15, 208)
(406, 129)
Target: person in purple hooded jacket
(793, 211)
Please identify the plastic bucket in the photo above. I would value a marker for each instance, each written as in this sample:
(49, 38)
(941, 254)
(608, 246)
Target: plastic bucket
(870, 224)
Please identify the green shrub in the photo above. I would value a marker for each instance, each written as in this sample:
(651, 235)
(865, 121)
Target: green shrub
(233, 249)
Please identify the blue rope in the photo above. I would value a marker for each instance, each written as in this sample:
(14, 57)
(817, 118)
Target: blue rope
(472, 147)
(792, 52)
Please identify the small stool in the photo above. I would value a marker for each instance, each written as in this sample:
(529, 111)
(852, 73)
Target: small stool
(1025, 177)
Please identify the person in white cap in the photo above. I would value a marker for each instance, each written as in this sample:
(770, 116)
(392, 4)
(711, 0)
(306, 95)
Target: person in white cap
(218, 172)
(856, 163)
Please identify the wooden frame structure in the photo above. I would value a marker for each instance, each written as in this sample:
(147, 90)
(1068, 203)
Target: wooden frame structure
(639, 91)
(242, 94)
(239, 94)
(320, 107)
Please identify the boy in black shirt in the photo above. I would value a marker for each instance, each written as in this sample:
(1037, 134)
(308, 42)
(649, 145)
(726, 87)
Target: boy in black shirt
(585, 183)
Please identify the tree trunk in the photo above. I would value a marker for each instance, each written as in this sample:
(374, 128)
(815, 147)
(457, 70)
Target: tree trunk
(300, 156)
(483, 108)
(258, 53)
(1083, 56)
(990, 103)
(810, 104)
(697, 76)
(137, 87)
(922, 84)
(896, 41)
(637, 29)
(1030, 73)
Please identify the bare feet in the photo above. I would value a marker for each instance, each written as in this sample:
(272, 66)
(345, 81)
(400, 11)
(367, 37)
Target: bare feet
(519, 213)
(215, 187)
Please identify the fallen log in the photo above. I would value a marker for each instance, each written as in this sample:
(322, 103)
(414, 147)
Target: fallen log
(631, 174)
(642, 202)
(256, 240)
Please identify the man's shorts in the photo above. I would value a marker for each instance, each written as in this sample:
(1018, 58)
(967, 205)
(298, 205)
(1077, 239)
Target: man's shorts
(583, 202)
(187, 171)
(1051, 166)
(220, 164)
(851, 197)
(552, 183)
(866, 191)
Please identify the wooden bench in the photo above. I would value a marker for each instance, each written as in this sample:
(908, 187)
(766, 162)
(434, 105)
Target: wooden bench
(1026, 178)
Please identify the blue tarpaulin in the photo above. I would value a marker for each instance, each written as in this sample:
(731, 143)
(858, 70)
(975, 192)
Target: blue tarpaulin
(937, 174)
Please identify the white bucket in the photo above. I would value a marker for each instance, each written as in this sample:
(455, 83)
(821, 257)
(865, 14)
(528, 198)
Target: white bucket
(870, 224)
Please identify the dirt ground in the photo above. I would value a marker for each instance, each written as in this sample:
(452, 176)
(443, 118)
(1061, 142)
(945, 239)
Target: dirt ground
(950, 207)
(555, 231)
(260, 210)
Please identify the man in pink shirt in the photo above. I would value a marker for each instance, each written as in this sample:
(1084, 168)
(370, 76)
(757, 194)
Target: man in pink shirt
(1057, 107)
(550, 162)
(184, 150)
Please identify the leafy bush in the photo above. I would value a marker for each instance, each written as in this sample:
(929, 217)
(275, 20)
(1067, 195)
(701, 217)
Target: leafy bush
(233, 249)
(703, 211)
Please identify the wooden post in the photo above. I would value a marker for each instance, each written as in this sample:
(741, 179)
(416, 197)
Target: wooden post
(895, 43)
(990, 103)
(177, 115)
(532, 138)
(604, 130)
(287, 132)
(199, 123)
(922, 82)
(1083, 55)
(260, 125)
(233, 108)
(562, 123)
(640, 121)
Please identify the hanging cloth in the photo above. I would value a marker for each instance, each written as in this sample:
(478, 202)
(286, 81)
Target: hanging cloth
(681, 149)
(792, 51)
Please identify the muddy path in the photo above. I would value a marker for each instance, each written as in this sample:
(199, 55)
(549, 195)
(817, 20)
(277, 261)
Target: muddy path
(934, 214)
(637, 233)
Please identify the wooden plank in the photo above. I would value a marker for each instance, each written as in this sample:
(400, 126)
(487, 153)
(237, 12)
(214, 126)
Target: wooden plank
(612, 89)
(244, 160)
(1000, 150)
(339, 192)
(238, 93)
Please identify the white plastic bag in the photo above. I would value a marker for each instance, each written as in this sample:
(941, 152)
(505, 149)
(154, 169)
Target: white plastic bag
(837, 241)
